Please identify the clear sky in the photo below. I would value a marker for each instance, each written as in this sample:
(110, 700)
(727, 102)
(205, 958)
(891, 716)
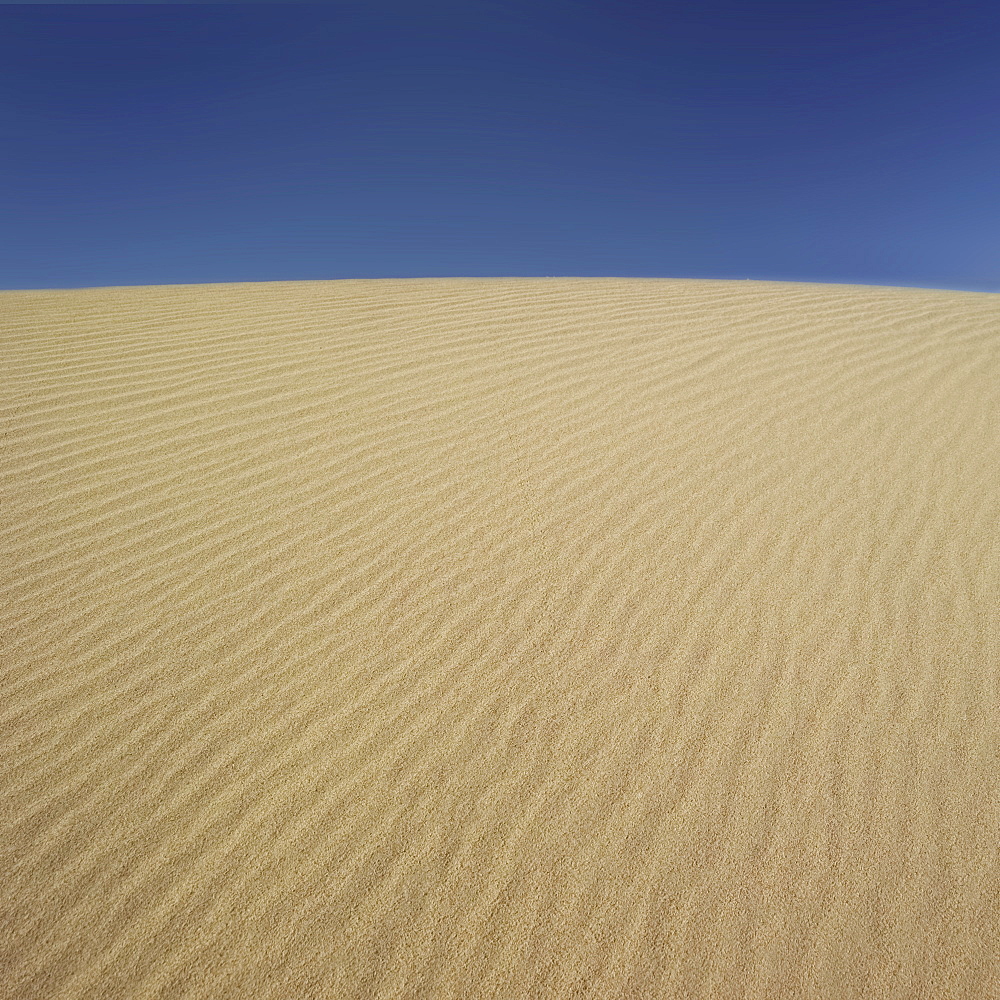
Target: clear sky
(846, 142)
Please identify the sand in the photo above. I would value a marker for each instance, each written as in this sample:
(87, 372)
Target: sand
(500, 638)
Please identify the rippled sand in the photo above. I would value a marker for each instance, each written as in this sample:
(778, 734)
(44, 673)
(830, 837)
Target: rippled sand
(500, 638)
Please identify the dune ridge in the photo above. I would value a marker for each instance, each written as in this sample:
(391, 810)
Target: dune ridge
(513, 637)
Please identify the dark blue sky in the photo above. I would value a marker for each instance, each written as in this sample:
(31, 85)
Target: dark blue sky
(151, 144)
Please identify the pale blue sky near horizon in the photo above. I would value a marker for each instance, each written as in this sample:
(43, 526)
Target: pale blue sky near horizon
(162, 144)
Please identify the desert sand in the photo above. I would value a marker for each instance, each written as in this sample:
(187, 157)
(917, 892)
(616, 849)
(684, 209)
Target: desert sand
(516, 638)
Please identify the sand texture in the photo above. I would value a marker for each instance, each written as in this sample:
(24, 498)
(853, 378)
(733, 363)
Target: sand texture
(518, 638)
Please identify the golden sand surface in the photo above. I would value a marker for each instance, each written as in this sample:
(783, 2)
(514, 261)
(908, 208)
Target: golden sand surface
(516, 638)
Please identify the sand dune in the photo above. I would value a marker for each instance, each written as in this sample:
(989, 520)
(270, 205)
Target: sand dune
(509, 638)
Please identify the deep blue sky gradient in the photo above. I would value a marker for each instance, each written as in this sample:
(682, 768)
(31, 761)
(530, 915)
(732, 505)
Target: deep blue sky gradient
(151, 144)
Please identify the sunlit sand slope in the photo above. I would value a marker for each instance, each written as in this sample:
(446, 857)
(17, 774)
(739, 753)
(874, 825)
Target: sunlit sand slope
(513, 638)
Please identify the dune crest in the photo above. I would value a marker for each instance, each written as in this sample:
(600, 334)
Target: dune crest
(500, 638)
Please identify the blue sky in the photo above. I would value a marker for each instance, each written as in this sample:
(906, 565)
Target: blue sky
(148, 144)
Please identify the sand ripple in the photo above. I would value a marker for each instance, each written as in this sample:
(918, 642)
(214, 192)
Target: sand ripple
(500, 638)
